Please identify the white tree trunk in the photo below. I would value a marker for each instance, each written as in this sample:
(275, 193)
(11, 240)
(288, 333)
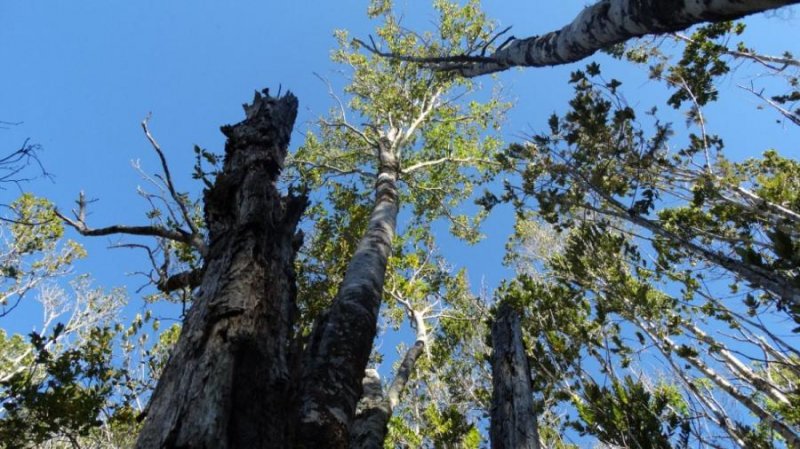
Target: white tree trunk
(610, 22)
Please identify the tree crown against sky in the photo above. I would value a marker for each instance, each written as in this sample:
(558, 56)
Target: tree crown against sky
(452, 424)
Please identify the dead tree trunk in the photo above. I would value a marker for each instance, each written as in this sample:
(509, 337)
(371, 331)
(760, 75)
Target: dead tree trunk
(513, 421)
(227, 383)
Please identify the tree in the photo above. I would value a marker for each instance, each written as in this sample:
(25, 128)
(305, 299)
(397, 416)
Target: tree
(80, 379)
(261, 386)
(599, 26)
(262, 362)
(660, 245)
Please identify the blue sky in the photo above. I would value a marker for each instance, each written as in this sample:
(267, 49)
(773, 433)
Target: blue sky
(82, 75)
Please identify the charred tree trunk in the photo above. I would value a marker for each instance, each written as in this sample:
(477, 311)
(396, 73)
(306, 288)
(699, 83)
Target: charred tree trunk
(227, 383)
(513, 421)
(340, 345)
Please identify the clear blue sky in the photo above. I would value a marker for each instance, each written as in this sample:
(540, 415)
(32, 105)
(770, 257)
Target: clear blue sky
(82, 75)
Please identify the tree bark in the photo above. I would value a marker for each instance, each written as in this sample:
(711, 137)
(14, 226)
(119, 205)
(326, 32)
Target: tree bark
(372, 420)
(513, 420)
(340, 345)
(606, 23)
(229, 376)
(369, 426)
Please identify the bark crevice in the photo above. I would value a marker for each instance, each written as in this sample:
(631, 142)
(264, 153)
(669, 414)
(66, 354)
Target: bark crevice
(230, 369)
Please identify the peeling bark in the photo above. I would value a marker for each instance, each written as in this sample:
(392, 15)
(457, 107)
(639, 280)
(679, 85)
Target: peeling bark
(229, 375)
(513, 420)
(340, 345)
(606, 23)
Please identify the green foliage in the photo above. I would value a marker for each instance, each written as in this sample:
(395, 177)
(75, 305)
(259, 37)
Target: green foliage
(701, 63)
(63, 395)
(32, 251)
(653, 227)
(787, 377)
(627, 412)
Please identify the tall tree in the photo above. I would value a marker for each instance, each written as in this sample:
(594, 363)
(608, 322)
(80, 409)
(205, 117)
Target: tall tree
(261, 364)
(660, 246)
(239, 375)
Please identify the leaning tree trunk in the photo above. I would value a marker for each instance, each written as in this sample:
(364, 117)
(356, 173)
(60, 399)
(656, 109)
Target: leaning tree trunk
(513, 420)
(227, 383)
(605, 23)
(340, 345)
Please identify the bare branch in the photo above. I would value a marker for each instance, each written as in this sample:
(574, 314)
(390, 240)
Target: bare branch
(442, 160)
(186, 279)
(168, 179)
(794, 118)
(79, 223)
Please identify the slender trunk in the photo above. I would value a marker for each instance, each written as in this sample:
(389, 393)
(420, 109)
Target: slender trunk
(768, 280)
(369, 426)
(371, 422)
(228, 377)
(340, 345)
(718, 416)
(513, 420)
(606, 23)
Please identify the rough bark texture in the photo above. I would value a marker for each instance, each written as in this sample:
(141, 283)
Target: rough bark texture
(340, 345)
(513, 420)
(370, 425)
(610, 22)
(228, 377)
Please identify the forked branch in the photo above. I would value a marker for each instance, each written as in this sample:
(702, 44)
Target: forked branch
(79, 223)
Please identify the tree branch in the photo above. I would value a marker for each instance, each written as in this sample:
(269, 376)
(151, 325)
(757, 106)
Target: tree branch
(79, 223)
(606, 23)
(168, 178)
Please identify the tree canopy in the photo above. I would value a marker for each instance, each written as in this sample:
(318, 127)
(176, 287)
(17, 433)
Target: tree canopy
(652, 296)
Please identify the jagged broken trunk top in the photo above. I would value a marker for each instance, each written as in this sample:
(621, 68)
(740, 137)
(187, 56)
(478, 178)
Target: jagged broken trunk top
(229, 375)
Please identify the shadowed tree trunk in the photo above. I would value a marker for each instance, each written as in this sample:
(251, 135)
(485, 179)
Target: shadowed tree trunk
(237, 378)
(227, 383)
(340, 345)
(513, 421)
(370, 424)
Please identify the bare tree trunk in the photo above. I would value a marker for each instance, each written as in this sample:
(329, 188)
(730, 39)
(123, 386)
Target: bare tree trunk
(606, 23)
(340, 345)
(227, 383)
(513, 420)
